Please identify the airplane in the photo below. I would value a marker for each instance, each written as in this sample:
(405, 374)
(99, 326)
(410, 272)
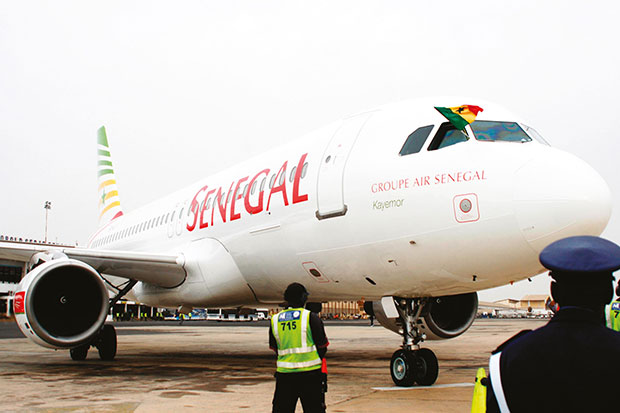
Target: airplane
(398, 205)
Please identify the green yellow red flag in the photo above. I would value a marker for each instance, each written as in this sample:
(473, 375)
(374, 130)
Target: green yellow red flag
(460, 116)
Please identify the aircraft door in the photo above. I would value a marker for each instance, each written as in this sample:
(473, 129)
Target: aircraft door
(330, 187)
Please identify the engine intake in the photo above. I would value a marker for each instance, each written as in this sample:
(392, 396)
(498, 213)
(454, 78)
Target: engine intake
(441, 317)
(61, 303)
(449, 316)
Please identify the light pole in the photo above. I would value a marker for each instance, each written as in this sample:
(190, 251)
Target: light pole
(47, 206)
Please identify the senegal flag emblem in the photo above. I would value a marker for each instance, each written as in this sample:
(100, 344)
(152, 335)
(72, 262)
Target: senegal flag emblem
(460, 116)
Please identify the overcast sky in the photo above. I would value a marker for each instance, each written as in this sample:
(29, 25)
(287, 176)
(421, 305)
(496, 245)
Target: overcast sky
(187, 88)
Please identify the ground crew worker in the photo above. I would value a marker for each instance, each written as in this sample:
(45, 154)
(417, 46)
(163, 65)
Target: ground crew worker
(567, 365)
(298, 337)
(612, 311)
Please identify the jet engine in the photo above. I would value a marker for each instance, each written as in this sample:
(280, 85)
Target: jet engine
(61, 303)
(439, 318)
(449, 316)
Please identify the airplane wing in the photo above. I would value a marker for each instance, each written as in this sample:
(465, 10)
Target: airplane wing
(162, 270)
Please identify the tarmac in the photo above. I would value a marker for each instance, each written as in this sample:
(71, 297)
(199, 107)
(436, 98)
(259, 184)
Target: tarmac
(228, 367)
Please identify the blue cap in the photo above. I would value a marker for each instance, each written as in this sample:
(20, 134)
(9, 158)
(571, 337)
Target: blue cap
(581, 254)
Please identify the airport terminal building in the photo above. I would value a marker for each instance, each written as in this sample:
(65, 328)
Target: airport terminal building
(11, 272)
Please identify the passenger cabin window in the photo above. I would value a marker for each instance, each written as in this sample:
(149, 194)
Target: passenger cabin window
(447, 135)
(491, 131)
(416, 140)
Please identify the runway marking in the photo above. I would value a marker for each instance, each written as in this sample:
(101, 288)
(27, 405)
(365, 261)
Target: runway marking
(437, 386)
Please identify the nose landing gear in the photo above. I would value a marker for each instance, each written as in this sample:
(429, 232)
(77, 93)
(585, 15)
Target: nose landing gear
(412, 364)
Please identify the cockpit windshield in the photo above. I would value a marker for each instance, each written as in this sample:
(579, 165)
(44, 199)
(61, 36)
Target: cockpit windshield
(484, 130)
(447, 135)
(534, 134)
(492, 131)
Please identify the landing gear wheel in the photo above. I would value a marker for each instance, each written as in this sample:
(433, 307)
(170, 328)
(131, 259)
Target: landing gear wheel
(426, 367)
(107, 343)
(402, 368)
(79, 353)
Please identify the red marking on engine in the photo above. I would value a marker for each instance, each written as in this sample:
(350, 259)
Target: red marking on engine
(19, 302)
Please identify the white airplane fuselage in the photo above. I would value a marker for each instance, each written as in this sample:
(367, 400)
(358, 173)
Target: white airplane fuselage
(349, 217)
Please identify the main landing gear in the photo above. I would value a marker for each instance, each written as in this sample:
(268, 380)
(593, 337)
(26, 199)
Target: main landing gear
(105, 340)
(412, 364)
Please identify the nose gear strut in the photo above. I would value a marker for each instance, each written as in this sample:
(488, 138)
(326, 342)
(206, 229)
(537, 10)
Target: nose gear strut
(412, 364)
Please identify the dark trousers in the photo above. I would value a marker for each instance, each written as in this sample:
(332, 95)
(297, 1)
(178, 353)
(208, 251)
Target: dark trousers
(305, 386)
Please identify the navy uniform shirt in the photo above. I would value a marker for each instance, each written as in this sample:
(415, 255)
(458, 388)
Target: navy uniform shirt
(570, 364)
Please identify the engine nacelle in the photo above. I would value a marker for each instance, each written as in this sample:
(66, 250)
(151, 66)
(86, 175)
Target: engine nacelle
(61, 303)
(441, 317)
(448, 316)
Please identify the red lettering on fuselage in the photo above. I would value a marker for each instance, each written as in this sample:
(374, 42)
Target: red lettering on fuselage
(394, 185)
(236, 196)
(194, 205)
(258, 208)
(199, 203)
(204, 224)
(426, 180)
(465, 176)
(300, 166)
(218, 199)
(281, 187)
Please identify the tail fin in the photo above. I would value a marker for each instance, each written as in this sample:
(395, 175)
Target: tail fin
(109, 201)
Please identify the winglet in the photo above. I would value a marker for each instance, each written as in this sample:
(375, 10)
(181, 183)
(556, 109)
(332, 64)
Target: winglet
(109, 201)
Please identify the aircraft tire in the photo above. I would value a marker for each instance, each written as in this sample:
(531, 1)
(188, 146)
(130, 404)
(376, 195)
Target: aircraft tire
(426, 367)
(107, 343)
(402, 367)
(79, 353)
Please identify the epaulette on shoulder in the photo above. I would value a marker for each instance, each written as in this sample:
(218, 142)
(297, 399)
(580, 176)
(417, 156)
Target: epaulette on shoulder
(510, 340)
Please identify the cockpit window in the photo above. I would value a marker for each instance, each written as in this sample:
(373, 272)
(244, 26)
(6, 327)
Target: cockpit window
(447, 135)
(416, 140)
(532, 132)
(491, 131)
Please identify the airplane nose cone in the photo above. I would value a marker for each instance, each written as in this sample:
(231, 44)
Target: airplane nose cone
(559, 196)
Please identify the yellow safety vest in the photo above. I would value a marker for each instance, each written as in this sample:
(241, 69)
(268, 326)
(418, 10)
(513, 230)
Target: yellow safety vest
(613, 315)
(296, 349)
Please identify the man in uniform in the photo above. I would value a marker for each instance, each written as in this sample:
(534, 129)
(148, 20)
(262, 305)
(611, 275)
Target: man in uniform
(612, 311)
(298, 337)
(569, 365)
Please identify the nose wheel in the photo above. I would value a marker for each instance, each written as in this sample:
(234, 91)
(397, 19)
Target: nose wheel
(402, 366)
(414, 366)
